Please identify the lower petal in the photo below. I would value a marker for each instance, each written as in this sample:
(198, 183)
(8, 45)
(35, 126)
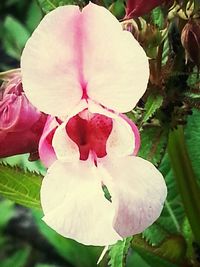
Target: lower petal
(74, 204)
(138, 192)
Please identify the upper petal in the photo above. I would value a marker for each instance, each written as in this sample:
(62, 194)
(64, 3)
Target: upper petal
(73, 54)
(116, 69)
(51, 62)
(74, 204)
(138, 192)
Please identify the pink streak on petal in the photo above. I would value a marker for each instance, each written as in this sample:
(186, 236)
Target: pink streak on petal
(46, 151)
(136, 133)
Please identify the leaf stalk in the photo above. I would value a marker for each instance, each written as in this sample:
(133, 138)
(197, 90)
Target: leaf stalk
(185, 178)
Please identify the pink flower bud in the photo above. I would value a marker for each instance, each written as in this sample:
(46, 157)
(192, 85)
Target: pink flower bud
(137, 8)
(21, 124)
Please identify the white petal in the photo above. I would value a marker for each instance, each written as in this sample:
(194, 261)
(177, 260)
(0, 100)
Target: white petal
(66, 150)
(50, 63)
(72, 51)
(138, 192)
(74, 204)
(116, 69)
(121, 141)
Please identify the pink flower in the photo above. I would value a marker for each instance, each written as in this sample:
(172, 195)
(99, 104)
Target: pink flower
(82, 68)
(137, 8)
(21, 124)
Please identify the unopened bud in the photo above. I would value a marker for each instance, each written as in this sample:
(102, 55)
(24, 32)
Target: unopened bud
(190, 38)
(21, 124)
(137, 8)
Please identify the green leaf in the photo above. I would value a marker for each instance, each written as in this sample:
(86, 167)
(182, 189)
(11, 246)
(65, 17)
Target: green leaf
(153, 143)
(117, 9)
(173, 214)
(158, 17)
(118, 252)
(193, 78)
(155, 234)
(34, 15)
(22, 161)
(75, 253)
(192, 134)
(154, 260)
(49, 5)
(18, 259)
(20, 186)
(154, 102)
(15, 37)
(169, 254)
(135, 260)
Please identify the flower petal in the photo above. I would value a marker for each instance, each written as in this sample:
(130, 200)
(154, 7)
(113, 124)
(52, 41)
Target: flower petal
(121, 141)
(65, 148)
(74, 204)
(135, 131)
(51, 62)
(67, 58)
(138, 192)
(116, 69)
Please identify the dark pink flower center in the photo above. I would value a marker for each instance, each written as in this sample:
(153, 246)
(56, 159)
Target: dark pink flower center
(90, 131)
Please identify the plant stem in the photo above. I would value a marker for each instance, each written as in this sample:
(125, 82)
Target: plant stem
(185, 178)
